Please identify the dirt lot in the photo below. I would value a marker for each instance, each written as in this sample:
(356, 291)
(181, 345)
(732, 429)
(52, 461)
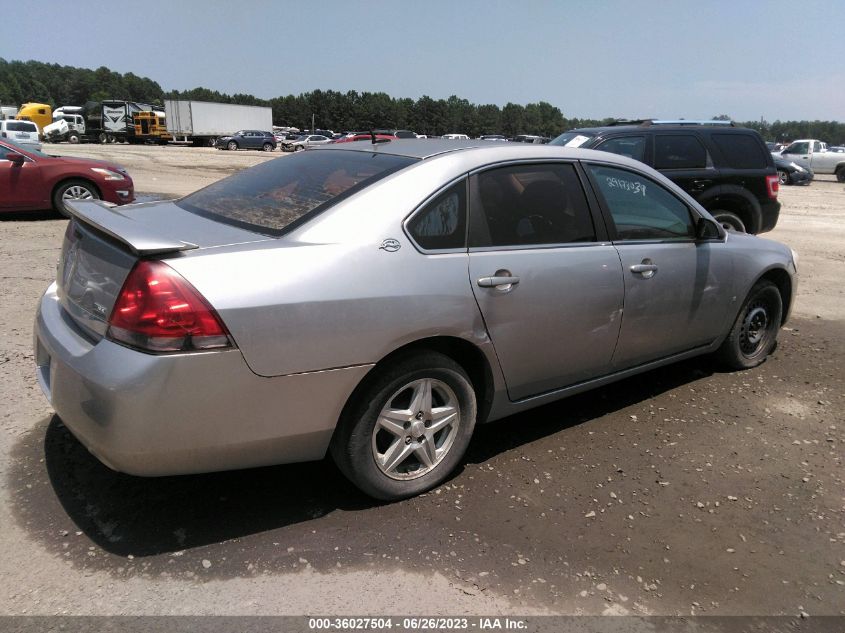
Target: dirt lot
(681, 491)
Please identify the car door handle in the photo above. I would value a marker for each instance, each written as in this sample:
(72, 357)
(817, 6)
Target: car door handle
(495, 282)
(646, 269)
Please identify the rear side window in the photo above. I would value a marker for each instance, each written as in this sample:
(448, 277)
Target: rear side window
(273, 197)
(540, 204)
(442, 223)
(679, 151)
(741, 151)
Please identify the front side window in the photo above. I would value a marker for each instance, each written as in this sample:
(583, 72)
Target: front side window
(798, 148)
(630, 146)
(273, 197)
(679, 151)
(529, 205)
(640, 208)
(442, 223)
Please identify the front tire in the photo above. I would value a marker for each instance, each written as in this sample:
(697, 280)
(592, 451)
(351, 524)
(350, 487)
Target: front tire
(267, 147)
(232, 146)
(840, 174)
(729, 220)
(73, 190)
(754, 333)
(783, 177)
(408, 428)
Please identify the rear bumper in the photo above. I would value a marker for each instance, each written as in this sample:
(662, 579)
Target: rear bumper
(769, 214)
(151, 415)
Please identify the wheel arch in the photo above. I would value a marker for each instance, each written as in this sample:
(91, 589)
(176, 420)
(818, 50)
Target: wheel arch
(737, 200)
(66, 179)
(466, 354)
(782, 280)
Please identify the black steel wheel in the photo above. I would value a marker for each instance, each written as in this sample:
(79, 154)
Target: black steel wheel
(754, 333)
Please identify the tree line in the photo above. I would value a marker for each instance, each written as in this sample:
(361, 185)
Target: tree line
(58, 85)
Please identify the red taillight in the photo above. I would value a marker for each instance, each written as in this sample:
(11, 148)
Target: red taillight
(157, 310)
(773, 186)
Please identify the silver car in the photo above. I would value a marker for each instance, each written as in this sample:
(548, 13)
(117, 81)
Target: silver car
(377, 301)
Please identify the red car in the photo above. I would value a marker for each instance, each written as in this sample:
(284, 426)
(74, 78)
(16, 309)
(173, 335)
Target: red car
(363, 137)
(31, 180)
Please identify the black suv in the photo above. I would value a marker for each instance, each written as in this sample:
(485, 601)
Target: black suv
(727, 169)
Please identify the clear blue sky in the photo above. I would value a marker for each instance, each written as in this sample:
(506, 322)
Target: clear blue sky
(777, 59)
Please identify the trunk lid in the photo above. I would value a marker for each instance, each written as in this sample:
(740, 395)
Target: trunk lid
(102, 244)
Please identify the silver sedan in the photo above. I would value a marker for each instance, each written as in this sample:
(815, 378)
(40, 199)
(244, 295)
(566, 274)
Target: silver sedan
(377, 301)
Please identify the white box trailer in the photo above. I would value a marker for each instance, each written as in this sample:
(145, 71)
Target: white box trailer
(201, 122)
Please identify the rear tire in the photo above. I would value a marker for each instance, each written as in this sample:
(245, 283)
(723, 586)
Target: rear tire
(75, 189)
(754, 333)
(407, 430)
(729, 220)
(840, 174)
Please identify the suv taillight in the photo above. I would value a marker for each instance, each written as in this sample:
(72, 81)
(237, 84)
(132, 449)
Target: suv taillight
(157, 310)
(772, 186)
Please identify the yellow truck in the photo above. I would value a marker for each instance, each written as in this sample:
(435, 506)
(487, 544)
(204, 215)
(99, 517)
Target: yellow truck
(39, 113)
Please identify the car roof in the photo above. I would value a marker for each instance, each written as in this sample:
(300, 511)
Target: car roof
(662, 127)
(492, 152)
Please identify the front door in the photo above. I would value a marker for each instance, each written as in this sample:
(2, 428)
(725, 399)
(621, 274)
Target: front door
(677, 289)
(20, 184)
(549, 290)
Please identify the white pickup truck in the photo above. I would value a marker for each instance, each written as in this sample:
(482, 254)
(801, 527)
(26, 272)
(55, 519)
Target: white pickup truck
(815, 153)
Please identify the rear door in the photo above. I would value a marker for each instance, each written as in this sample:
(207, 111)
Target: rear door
(677, 289)
(548, 283)
(683, 158)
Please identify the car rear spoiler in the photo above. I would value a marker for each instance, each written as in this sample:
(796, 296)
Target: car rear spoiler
(141, 240)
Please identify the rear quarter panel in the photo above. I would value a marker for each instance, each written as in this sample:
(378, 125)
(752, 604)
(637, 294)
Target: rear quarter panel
(329, 296)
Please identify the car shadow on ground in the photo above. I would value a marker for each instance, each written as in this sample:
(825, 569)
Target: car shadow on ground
(30, 216)
(61, 492)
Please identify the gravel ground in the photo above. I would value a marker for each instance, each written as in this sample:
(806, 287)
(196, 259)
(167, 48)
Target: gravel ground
(684, 490)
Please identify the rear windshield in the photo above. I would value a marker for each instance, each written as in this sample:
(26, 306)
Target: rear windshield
(276, 196)
(21, 126)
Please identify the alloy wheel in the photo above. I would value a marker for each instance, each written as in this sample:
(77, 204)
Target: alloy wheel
(415, 429)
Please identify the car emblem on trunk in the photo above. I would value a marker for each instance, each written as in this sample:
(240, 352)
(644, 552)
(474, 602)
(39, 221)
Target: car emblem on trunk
(390, 245)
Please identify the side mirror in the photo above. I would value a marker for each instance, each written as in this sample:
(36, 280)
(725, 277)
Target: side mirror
(15, 159)
(706, 230)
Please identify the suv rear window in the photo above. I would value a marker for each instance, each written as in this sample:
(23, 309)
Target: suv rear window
(274, 197)
(741, 151)
(21, 126)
